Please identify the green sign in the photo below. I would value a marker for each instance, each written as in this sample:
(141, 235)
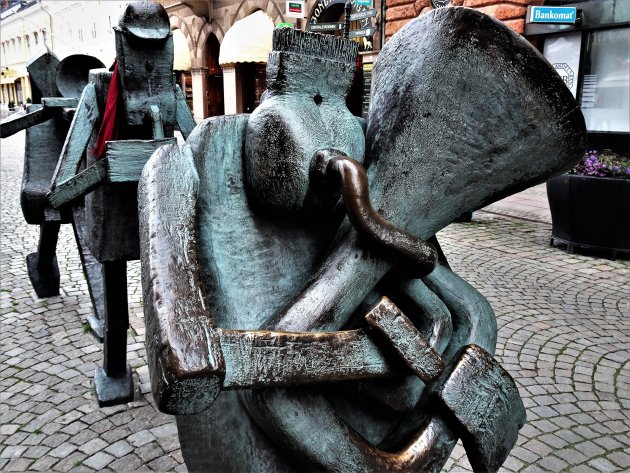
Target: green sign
(284, 25)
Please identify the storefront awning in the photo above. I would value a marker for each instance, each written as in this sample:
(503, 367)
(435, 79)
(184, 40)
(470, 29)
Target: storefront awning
(181, 60)
(249, 40)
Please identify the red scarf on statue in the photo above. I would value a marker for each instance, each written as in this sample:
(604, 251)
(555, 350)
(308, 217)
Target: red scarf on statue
(110, 127)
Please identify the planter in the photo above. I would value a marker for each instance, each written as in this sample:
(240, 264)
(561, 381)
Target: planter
(590, 212)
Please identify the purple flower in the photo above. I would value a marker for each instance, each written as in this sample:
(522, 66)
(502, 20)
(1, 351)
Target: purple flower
(603, 163)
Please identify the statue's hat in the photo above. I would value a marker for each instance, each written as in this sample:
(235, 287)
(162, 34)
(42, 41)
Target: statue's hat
(145, 20)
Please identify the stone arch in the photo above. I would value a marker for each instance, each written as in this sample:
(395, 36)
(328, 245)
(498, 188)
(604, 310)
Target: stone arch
(270, 7)
(178, 23)
(212, 27)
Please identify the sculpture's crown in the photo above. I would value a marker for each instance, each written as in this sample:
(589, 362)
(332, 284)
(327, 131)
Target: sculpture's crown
(314, 44)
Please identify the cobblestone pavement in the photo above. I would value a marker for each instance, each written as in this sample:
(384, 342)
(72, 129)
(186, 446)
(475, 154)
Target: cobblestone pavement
(530, 204)
(564, 334)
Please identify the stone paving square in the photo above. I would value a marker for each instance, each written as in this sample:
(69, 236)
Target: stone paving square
(564, 335)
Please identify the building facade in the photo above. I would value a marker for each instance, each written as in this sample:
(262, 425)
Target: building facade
(221, 46)
(221, 76)
(65, 28)
(229, 41)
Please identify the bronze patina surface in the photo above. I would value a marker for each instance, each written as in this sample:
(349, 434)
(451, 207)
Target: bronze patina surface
(298, 318)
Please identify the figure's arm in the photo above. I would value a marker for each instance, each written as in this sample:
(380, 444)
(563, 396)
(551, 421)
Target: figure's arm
(191, 359)
(50, 107)
(488, 425)
(82, 126)
(185, 121)
(185, 360)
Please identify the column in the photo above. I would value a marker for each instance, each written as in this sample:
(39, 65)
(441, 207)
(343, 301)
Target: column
(199, 89)
(232, 90)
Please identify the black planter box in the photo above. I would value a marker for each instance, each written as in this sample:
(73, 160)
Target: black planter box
(590, 212)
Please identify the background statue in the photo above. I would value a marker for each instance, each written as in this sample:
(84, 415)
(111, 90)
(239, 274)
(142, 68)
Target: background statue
(255, 280)
(86, 144)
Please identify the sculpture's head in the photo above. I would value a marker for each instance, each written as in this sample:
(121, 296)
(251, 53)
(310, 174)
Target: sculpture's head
(144, 51)
(304, 110)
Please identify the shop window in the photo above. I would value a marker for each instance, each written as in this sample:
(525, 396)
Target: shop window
(605, 91)
(563, 52)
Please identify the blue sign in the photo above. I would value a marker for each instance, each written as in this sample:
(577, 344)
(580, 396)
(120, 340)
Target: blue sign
(363, 3)
(558, 15)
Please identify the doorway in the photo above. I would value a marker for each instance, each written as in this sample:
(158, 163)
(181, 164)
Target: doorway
(214, 91)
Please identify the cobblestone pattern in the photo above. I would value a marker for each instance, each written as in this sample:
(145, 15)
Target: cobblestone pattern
(49, 419)
(564, 333)
(530, 204)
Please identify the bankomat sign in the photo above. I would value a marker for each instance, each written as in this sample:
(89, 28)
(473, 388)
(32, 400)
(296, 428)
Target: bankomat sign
(552, 15)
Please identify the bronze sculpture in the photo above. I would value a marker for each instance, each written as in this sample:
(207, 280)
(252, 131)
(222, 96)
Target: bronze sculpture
(250, 269)
(117, 132)
(87, 172)
(56, 89)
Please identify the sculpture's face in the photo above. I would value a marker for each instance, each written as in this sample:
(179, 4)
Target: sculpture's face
(280, 150)
(144, 51)
(304, 111)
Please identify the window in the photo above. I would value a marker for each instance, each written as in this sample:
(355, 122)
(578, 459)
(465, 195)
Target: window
(605, 91)
(563, 52)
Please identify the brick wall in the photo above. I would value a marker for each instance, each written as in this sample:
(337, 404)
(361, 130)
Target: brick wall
(511, 12)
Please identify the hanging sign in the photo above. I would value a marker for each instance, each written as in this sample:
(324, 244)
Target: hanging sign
(557, 15)
(363, 14)
(369, 31)
(325, 26)
(295, 9)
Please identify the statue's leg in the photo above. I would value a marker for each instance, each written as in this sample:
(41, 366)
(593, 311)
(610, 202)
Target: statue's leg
(113, 382)
(93, 272)
(42, 266)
